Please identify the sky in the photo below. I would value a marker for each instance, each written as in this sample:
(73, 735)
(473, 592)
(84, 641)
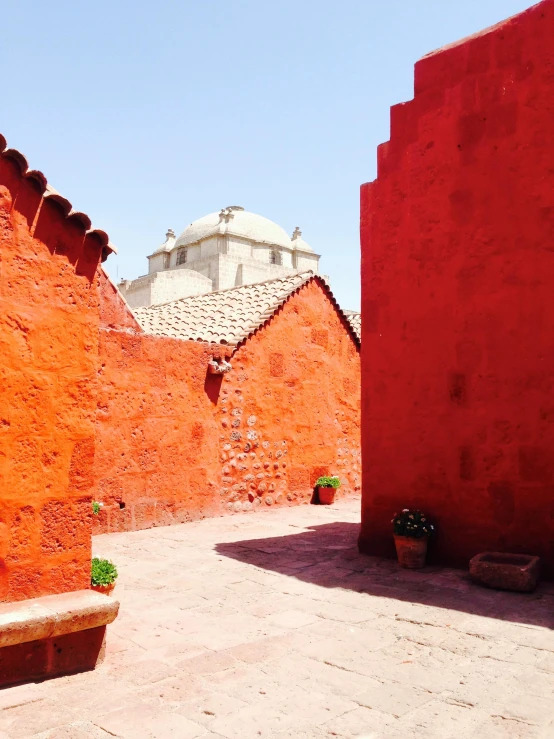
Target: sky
(147, 116)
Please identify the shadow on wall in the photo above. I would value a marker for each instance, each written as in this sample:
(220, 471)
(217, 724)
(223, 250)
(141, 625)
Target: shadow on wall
(328, 556)
(212, 387)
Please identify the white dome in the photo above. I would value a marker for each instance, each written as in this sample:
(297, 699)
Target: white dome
(238, 222)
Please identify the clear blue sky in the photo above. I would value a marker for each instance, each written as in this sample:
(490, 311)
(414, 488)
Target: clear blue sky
(150, 115)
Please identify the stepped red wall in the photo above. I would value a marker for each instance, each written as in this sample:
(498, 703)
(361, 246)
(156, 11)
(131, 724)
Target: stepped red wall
(174, 444)
(49, 319)
(458, 305)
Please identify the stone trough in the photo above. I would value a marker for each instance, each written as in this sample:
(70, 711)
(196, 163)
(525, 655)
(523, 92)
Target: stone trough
(519, 572)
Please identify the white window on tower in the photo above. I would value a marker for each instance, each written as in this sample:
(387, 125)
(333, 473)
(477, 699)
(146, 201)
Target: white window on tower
(166, 261)
(181, 256)
(275, 257)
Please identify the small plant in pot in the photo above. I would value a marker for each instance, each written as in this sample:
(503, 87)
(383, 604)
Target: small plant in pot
(103, 576)
(326, 489)
(412, 530)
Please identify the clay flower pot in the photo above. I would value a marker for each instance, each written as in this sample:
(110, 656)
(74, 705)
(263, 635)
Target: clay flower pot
(411, 552)
(104, 589)
(326, 495)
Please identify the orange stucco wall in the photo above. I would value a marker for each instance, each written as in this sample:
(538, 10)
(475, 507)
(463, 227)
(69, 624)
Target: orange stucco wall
(156, 459)
(174, 443)
(92, 408)
(293, 399)
(49, 317)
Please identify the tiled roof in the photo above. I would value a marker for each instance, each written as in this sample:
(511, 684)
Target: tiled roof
(49, 192)
(227, 316)
(355, 320)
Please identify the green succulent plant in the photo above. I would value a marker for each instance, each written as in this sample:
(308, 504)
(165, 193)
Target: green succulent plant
(328, 482)
(103, 572)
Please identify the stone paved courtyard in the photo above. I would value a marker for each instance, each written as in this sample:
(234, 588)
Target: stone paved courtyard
(272, 625)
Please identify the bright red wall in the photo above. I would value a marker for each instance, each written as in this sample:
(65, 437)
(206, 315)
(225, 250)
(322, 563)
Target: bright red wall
(458, 306)
(175, 444)
(48, 355)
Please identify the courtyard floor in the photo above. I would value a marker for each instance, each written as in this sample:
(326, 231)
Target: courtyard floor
(272, 625)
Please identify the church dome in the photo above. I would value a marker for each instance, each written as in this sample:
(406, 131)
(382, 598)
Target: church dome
(236, 221)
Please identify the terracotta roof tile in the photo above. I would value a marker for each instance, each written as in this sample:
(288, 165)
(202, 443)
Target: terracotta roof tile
(48, 192)
(227, 316)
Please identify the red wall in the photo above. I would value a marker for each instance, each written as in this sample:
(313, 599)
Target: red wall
(174, 444)
(48, 355)
(458, 304)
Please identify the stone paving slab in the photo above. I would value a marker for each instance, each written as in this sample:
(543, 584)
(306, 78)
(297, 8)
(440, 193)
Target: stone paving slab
(273, 625)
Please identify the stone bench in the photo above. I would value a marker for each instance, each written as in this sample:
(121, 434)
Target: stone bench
(53, 635)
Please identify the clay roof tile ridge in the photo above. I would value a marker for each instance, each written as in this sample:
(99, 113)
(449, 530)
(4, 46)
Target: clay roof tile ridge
(234, 314)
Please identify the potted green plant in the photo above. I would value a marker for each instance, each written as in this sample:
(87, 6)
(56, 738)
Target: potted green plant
(96, 506)
(326, 489)
(412, 530)
(103, 576)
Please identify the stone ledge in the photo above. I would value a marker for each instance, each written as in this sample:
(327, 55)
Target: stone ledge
(54, 615)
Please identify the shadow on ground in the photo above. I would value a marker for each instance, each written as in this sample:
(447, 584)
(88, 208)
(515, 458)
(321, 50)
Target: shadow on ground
(327, 555)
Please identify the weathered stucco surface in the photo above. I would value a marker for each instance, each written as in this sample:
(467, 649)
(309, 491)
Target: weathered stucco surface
(458, 311)
(49, 320)
(175, 444)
